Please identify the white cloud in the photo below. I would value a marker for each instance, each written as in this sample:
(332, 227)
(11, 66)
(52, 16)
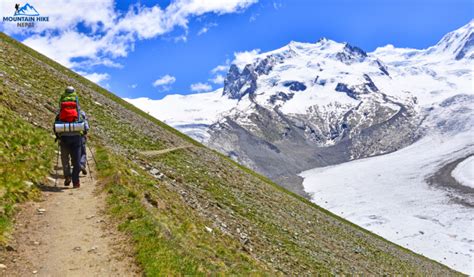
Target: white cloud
(253, 17)
(89, 63)
(95, 77)
(181, 9)
(144, 22)
(164, 82)
(66, 46)
(203, 31)
(200, 87)
(133, 86)
(206, 28)
(110, 33)
(218, 72)
(277, 6)
(245, 57)
(182, 38)
(221, 68)
(218, 79)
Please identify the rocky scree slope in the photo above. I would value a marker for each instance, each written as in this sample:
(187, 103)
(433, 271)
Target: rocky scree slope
(192, 210)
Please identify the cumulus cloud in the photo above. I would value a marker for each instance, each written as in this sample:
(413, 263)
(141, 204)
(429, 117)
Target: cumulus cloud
(221, 68)
(164, 82)
(109, 33)
(245, 57)
(63, 48)
(203, 30)
(95, 77)
(181, 9)
(218, 79)
(206, 28)
(200, 87)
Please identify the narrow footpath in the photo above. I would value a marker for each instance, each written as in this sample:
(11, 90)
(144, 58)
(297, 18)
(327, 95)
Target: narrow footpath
(68, 234)
(163, 151)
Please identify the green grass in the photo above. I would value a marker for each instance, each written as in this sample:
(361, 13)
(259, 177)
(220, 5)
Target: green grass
(26, 154)
(180, 166)
(170, 238)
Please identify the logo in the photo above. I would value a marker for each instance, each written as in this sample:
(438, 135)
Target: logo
(25, 16)
(26, 10)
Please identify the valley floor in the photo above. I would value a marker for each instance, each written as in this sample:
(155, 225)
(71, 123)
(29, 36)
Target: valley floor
(397, 197)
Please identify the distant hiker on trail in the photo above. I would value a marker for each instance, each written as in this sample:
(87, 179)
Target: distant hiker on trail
(70, 128)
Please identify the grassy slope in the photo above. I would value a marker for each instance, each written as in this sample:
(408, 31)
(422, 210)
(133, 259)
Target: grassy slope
(25, 158)
(256, 226)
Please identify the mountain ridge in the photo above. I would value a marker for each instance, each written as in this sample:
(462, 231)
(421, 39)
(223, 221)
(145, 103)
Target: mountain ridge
(377, 88)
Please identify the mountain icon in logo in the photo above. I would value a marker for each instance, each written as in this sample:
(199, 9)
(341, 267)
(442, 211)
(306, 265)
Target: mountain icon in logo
(26, 10)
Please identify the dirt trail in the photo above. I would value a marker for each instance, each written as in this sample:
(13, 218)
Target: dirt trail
(71, 237)
(160, 152)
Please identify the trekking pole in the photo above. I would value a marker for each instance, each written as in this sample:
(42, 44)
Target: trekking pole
(57, 165)
(92, 154)
(93, 158)
(90, 171)
(87, 160)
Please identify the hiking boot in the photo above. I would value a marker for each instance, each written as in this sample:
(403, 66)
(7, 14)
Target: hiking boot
(76, 185)
(83, 170)
(67, 181)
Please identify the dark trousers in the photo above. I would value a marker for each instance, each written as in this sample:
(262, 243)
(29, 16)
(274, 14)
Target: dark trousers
(71, 147)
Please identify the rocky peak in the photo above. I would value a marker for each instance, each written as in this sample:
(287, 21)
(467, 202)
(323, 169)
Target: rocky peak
(322, 40)
(238, 84)
(265, 65)
(351, 54)
(355, 91)
(354, 50)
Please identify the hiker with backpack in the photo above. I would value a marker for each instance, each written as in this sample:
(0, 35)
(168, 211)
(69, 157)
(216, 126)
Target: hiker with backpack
(70, 129)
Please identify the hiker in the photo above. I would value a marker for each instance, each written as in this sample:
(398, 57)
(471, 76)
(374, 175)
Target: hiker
(83, 142)
(70, 129)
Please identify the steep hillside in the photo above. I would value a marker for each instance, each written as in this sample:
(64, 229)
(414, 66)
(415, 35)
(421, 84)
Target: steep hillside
(191, 210)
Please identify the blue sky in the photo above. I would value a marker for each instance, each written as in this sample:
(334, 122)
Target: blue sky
(193, 40)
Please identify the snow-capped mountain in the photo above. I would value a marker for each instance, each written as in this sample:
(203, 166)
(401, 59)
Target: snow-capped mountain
(382, 138)
(307, 105)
